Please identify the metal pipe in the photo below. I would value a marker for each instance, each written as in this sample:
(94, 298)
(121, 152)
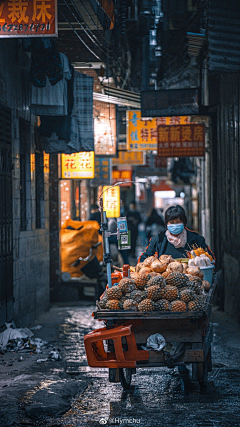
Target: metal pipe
(107, 253)
(106, 249)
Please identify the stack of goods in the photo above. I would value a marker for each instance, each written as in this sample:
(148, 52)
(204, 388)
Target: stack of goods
(158, 284)
(199, 257)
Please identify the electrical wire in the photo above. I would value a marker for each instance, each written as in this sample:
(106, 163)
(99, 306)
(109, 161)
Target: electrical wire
(94, 24)
(105, 51)
(84, 29)
(87, 29)
(79, 37)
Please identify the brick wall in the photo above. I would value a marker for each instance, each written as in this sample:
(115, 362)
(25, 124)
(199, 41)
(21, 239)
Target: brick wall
(30, 247)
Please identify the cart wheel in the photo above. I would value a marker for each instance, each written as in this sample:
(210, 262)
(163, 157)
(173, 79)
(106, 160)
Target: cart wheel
(125, 376)
(202, 374)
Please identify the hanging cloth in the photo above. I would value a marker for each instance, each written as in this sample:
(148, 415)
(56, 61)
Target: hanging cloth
(52, 100)
(72, 133)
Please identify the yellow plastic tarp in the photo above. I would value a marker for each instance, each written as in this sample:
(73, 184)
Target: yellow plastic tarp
(76, 242)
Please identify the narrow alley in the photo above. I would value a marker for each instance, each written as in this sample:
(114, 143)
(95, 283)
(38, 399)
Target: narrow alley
(67, 392)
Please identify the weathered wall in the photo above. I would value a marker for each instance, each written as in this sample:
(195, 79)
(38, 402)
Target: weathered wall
(225, 97)
(30, 247)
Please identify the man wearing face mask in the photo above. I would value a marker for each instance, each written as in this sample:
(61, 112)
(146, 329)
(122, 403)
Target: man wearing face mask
(177, 239)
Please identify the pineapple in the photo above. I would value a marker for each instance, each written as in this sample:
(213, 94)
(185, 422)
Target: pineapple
(194, 279)
(126, 285)
(113, 304)
(177, 279)
(165, 274)
(146, 305)
(130, 304)
(187, 295)
(162, 305)
(196, 305)
(195, 286)
(122, 300)
(138, 295)
(170, 293)
(157, 281)
(114, 293)
(178, 305)
(140, 281)
(154, 292)
(102, 302)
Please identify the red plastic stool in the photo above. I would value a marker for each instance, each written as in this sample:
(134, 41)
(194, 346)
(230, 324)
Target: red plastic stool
(98, 357)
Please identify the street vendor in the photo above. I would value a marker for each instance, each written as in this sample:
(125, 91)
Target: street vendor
(177, 240)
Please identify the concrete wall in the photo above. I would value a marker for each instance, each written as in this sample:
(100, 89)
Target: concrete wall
(31, 247)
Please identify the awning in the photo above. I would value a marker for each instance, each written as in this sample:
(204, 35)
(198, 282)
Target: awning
(118, 96)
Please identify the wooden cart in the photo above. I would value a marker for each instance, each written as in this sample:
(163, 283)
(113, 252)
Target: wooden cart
(193, 329)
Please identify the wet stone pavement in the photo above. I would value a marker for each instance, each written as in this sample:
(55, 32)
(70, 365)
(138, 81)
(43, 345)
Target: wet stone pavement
(67, 392)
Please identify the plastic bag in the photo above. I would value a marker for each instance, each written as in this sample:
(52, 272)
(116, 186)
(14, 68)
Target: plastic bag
(155, 342)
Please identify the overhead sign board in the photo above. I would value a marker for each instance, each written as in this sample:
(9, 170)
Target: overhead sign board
(78, 165)
(111, 201)
(105, 129)
(123, 176)
(181, 140)
(26, 18)
(142, 134)
(129, 158)
(171, 102)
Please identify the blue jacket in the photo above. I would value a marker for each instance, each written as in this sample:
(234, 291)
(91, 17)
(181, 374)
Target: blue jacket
(159, 243)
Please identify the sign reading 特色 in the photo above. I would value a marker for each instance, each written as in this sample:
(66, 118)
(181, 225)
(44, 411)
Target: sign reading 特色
(32, 18)
(142, 134)
(181, 140)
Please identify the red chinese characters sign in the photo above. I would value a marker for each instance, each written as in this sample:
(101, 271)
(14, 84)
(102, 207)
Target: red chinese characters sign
(181, 140)
(123, 176)
(20, 18)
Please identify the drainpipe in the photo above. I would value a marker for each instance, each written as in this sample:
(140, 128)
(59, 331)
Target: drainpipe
(206, 165)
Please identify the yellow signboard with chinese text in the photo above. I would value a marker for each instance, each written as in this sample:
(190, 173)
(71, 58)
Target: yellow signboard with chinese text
(28, 18)
(111, 201)
(142, 134)
(78, 165)
(129, 158)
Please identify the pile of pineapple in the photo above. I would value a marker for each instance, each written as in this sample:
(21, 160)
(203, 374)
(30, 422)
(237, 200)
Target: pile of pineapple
(148, 290)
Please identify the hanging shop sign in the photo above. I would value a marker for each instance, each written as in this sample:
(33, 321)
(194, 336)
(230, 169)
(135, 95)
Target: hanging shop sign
(78, 165)
(181, 140)
(123, 176)
(111, 201)
(34, 18)
(142, 134)
(102, 171)
(105, 129)
(170, 102)
(129, 158)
